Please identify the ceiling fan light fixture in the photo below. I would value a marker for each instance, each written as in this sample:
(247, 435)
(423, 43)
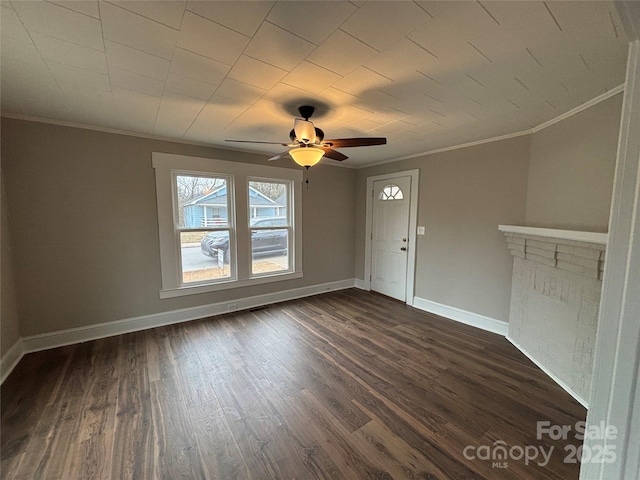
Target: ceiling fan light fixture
(306, 156)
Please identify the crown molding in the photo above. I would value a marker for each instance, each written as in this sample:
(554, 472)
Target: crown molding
(452, 147)
(594, 101)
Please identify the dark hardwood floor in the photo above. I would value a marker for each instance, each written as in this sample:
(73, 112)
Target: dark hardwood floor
(345, 385)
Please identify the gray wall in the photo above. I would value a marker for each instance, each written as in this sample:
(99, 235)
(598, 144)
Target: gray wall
(571, 170)
(463, 260)
(560, 177)
(84, 228)
(9, 327)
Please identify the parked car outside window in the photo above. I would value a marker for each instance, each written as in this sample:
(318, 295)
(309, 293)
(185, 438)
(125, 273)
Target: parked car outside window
(263, 242)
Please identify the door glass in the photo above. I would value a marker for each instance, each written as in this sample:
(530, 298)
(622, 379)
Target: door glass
(391, 192)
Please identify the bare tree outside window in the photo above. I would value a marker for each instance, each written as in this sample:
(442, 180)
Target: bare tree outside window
(189, 188)
(270, 189)
(193, 187)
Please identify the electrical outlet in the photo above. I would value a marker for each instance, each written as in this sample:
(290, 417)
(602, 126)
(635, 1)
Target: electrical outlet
(420, 230)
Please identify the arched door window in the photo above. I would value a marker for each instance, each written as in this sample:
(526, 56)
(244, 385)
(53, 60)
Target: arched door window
(391, 192)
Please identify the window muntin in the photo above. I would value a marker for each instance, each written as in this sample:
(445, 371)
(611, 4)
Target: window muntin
(179, 277)
(391, 192)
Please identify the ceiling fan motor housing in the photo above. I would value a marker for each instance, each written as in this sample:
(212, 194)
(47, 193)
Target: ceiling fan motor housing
(319, 135)
(304, 130)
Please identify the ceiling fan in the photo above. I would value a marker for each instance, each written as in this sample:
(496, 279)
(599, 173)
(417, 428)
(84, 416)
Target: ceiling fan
(308, 145)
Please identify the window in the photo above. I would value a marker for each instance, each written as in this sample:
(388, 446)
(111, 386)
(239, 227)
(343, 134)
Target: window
(268, 204)
(391, 192)
(225, 224)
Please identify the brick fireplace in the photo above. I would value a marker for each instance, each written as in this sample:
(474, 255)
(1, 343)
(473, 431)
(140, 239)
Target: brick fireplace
(555, 298)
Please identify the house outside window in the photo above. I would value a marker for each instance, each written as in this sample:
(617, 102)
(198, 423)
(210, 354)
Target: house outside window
(210, 208)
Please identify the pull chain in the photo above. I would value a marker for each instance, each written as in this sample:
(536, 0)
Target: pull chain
(306, 175)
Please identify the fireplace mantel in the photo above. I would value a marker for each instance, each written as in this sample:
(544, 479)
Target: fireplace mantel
(555, 297)
(587, 237)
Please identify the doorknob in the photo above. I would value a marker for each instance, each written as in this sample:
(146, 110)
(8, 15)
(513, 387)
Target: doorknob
(404, 249)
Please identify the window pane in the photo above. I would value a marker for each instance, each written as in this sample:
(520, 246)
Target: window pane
(205, 255)
(269, 250)
(202, 201)
(268, 204)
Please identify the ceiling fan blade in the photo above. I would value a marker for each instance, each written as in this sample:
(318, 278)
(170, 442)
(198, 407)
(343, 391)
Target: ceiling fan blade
(278, 156)
(258, 141)
(333, 155)
(355, 142)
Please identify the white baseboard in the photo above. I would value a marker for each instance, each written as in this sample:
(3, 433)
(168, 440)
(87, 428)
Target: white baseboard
(10, 359)
(462, 316)
(566, 388)
(70, 336)
(362, 284)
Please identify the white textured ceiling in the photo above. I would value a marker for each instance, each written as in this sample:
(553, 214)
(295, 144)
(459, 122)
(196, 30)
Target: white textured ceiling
(426, 75)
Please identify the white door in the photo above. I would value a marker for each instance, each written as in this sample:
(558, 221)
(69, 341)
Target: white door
(390, 236)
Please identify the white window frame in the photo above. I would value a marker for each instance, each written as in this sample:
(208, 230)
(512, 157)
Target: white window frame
(167, 165)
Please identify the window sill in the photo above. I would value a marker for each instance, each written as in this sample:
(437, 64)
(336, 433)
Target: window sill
(215, 287)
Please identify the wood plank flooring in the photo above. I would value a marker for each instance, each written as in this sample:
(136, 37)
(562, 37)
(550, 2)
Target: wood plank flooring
(345, 385)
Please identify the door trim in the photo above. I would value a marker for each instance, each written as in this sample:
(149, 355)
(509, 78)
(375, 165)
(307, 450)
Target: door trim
(413, 223)
(615, 389)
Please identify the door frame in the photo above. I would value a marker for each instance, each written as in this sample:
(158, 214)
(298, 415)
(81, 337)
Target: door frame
(615, 391)
(413, 224)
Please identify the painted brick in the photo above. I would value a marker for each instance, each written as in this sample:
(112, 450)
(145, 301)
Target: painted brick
(543, 260)
(542, 245)
(580, 251)
(582, 261)
(541, 252)
(554, 306)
